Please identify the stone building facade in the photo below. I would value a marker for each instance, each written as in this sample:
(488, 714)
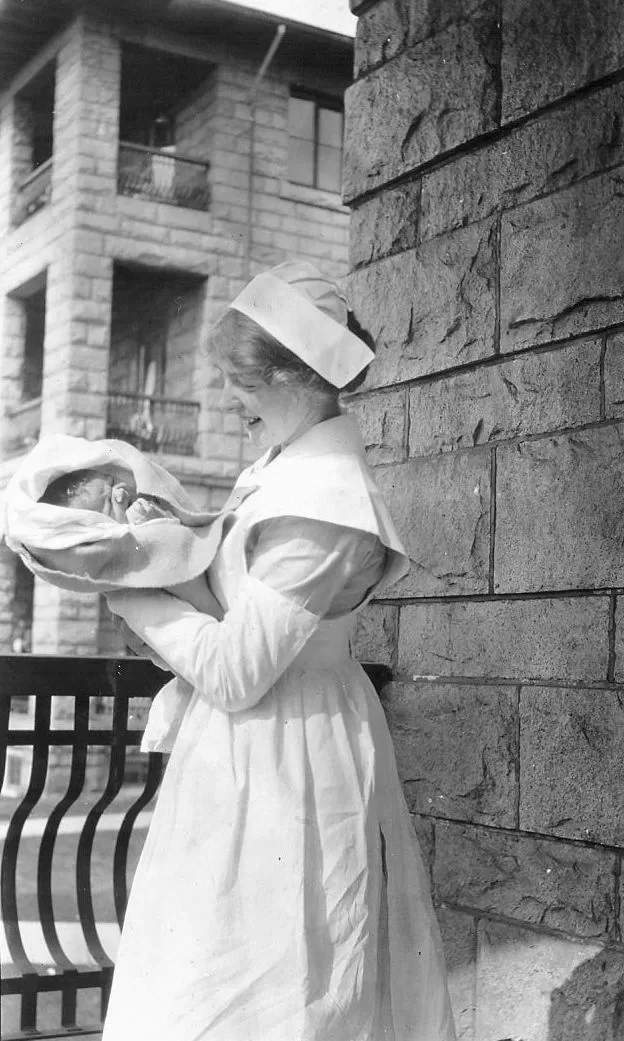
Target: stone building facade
(485, 171)
(146, 172)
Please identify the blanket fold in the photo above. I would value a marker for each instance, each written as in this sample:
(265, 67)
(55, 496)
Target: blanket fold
(83, 551)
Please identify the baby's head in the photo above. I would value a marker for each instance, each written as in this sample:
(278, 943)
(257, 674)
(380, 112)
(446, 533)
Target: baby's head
(95, 490)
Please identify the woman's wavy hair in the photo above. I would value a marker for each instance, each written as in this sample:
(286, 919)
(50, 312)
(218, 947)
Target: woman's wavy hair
(254, 354)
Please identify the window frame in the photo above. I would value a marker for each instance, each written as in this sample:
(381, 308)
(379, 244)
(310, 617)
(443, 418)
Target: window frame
(329, 102)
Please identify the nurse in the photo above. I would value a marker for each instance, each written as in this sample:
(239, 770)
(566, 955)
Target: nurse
(281, 895)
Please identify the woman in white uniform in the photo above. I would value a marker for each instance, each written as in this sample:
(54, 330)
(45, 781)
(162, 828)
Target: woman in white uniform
(281, 895)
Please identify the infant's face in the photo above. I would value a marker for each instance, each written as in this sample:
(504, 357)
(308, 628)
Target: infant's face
(104, 495)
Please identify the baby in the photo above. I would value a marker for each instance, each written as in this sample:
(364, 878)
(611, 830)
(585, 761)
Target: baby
(102, 492)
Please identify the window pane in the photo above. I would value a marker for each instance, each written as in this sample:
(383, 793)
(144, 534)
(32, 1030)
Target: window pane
(329, 169)
(301, 161)
(330, 128)
(301, 118)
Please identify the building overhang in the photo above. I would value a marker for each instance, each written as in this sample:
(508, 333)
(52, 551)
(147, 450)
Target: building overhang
(27, 25)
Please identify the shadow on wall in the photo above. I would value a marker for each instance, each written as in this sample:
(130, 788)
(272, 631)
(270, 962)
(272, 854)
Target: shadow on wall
(529, 986)
(589, 1006)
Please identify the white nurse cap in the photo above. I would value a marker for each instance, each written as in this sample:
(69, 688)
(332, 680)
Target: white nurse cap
(307, 313)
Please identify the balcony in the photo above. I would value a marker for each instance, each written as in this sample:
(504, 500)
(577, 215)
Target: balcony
(163, 176)
(153, 424)
(34, 192)
(68, 858)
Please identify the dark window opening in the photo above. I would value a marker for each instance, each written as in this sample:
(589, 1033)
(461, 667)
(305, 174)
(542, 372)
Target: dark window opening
(34, 335)
(315, 132)
(37, 99)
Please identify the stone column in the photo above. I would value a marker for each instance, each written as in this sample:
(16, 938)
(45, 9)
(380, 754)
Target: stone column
(80, 281)
(484, 168)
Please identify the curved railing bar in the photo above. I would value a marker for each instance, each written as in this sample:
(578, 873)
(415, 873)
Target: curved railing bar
(5, 715)
(8, 871)
(120, 862)
(87, 835)
(48, 839)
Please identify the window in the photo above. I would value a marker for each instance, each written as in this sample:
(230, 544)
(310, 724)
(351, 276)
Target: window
(315, 141)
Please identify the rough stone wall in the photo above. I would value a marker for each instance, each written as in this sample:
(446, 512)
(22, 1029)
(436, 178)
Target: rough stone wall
(485, 164)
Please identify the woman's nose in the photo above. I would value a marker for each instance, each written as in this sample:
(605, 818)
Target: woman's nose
(228, 401)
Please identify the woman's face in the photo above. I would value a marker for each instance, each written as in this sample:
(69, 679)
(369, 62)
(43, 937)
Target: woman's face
(272, 414)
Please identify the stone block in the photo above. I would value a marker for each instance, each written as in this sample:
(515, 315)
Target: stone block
(375, 634)
(384, 224)
(614, 377)
(531, 394)
(429, 309)
(572, 763)
(441, 507)
(389, 25)
(559, 513)
(459, 937)
(558, 885)
(560, 638)
(382, 420)
(381, 33)
(456, 749)
(550, 50)
(562, 266)
(431, 98)
(619, 640)
(522, 977)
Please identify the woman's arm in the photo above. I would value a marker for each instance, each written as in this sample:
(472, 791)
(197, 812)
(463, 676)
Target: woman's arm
(297, 568)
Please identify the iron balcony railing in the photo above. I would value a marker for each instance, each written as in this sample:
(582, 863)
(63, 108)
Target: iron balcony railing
(78, 752)
(73, 835)
(153, 424)
(34, 192)
(163, 175)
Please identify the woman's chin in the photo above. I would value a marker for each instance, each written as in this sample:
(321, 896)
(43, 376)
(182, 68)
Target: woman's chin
(257, 434)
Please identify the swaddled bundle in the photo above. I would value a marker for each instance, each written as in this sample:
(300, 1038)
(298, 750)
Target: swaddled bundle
(129, 524)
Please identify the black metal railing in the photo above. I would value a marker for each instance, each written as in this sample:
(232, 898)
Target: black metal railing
(82, 706)
(68, 726)
(25, 426)
(163, 175)
(34, 192)
(153, 424)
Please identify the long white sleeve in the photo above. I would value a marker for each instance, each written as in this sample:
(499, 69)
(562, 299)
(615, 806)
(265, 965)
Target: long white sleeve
(298, 570)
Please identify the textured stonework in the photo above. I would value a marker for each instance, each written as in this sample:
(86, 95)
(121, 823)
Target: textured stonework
(426, 101)
(588, 1005)
(619, 640)
(486, 176)
(561, 886)
(382, 420)
(570, 539)
(532, 394)
(376, 634)
(442, 511)
(439, 305)
(572, 763)
(562, 266)
(474, 728)
(385, 224)
(550, 50)
(614, 377)
(546, 154)
(519, 975)
(547, 639)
